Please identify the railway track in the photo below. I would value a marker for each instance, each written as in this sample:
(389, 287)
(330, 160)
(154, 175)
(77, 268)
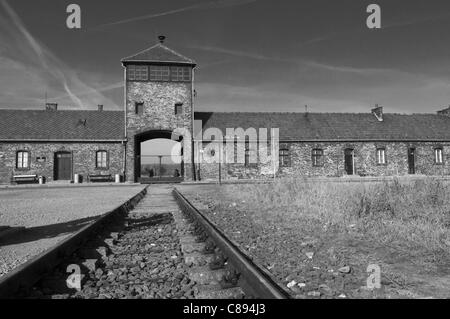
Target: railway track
(162, 248)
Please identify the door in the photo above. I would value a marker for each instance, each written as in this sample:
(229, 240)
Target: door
(63, 166)
(412, 160)
(348, 154)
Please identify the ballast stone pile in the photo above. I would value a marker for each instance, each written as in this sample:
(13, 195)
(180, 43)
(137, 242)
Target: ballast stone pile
(143, 260)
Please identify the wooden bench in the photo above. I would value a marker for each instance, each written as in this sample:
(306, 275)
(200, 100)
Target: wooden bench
(99, 178)
(25, 179)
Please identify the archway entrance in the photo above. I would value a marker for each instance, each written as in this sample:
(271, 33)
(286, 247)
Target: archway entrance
(158, 158)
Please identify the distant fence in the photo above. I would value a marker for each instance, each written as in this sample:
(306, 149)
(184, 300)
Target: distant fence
(154, 166)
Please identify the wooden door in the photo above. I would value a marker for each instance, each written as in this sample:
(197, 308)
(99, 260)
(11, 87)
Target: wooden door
(63, 166)
(348, 154)
(412, 160)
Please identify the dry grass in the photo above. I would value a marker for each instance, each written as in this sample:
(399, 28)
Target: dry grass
(414, 215)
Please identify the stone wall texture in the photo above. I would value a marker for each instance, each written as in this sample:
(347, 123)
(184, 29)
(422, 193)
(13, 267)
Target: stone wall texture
(83, 159)
(396, 154)
(159, 100)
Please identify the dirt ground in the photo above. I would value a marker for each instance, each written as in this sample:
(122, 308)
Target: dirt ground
(50, 215)
(313, 260)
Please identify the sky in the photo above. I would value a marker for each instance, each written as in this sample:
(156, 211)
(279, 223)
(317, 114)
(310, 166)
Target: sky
(252, 55)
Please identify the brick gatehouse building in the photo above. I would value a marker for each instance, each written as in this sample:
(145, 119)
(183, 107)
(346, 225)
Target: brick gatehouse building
(159, 97)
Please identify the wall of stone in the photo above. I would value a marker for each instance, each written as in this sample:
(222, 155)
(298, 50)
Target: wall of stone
(333, 161)
(83, 159)
(159, 100)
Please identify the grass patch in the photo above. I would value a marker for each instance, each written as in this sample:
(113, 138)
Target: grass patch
(411, 214)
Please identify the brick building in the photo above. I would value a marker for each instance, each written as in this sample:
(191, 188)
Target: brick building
(159, 100)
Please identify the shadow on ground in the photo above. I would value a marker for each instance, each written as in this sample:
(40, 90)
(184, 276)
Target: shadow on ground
(48, 231)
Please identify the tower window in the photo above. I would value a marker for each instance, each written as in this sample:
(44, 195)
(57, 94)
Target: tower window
(139, 108)
(438, 156)
(159, 73)
(22, 160)
(317, 157)
(137, 73)
(178, 108)
(180, 74)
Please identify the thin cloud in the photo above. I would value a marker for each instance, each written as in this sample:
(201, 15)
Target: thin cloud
(216, 4)
(109, 87)
(34, 58)
(384, 26)
(237, 53)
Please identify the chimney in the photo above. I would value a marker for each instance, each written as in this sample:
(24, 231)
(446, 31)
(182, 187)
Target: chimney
(378, 112)
(100, 107)
(51, 106)
(161, 38)
(445, 112)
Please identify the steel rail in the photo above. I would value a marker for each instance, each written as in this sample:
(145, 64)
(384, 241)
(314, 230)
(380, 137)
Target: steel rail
(26, 275)
(257, 280)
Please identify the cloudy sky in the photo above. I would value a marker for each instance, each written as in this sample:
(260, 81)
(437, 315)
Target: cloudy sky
(252, 55)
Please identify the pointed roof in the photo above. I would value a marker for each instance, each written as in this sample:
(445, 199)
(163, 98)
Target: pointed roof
(159, 53)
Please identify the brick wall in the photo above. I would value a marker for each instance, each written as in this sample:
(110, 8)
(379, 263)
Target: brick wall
(84, 161)
(333, 161)
(159, 100)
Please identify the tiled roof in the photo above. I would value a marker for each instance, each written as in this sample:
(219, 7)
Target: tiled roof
(61, 125)
(336, 126)
(159, 53)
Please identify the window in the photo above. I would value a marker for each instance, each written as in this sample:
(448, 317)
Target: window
(159, 73)
(248, 159)
(381, 156)
(102, 159)
(23, 160)
(180, 74)
(137, 73)
(438, 156)
(317, 157)
(285, 158)
(178, 108)
(247, 156)
(139, 108)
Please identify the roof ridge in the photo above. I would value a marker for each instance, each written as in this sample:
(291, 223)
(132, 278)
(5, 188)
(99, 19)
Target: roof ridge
(163, 47)
(287, 112)
(176, 53)
(142, 51)
(64, 110)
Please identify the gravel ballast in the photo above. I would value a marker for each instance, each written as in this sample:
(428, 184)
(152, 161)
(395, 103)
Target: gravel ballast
(50, 215)
(312, 259)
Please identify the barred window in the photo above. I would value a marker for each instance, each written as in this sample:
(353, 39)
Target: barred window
(381, 156)
(438, 156)
(180, 74)
(159, 73)
(317, 157)
(101, 159)
(285, 157)
(22, 159)
(137, 73)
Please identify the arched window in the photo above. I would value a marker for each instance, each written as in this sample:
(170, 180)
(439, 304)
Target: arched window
(101, 159)
(23, 160)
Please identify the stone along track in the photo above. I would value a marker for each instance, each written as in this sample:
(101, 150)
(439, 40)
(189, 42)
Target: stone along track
(156, 251)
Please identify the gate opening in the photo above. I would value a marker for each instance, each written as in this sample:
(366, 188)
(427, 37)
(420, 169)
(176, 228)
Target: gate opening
(159, 159)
